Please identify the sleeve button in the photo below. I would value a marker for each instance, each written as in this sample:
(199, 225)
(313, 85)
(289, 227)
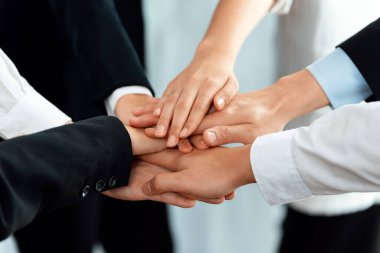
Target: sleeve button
(112, 181)
(85, 191)
(100, 185)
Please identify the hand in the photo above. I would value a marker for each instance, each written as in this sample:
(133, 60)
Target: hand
(141, 173)
(208, 174)
(250, 115)
(142, 144)
(125, 105)
(209, 78)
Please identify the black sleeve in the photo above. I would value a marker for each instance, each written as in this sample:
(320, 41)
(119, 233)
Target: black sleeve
(60, 166)
(101, 44)
(364, 50)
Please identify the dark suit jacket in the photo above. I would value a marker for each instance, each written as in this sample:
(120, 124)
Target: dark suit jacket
(364, 50)
(50, 169)
(74, 52)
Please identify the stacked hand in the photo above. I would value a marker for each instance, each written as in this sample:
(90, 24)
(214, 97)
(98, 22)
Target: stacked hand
(211, 173)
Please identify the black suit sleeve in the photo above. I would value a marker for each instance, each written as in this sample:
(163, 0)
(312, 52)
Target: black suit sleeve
(101, 44)
(364, 50)
(50, 169)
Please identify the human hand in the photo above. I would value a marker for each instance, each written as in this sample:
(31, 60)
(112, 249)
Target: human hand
(250, 115)
(208, 79)
(141, 173)
(143, 144)
(206, 174)
(126, 104)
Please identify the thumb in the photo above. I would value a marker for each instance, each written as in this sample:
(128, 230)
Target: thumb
(162, 183)
(221, 135)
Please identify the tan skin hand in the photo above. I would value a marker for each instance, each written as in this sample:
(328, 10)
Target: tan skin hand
(207, 174)
(141, 173)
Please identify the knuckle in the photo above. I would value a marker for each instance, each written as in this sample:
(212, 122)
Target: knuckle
(224, 132)
(157, 183)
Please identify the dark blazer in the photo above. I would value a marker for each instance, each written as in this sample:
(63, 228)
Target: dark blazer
(364, 50)
(60, 166)
(76, 53)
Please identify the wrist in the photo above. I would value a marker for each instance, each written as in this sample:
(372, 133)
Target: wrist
(210, 48)
(297, 94)
(245, 174)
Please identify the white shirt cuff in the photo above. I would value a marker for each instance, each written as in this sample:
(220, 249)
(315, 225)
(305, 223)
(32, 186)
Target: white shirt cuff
(111, 101)
(281, 7)
(33, 113)
(275, 169)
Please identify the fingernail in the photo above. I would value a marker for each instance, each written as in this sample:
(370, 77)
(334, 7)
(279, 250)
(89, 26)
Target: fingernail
(148, 188)
(171, 141)
(183, 133)
(160, 130)
(211, 136)
(220, 102)
(157, 112)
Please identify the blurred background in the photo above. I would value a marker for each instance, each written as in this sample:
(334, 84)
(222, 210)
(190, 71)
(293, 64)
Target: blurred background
(247, 224)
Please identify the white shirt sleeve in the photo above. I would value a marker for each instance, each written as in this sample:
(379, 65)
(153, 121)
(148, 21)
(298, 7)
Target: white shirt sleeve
(281, 7)
(337, 154)
(22, 109)
(111, 101)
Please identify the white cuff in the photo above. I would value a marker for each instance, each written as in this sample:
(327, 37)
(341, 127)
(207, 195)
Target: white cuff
(111, 101)
(33, 113)
(281, 7)
(275, 169)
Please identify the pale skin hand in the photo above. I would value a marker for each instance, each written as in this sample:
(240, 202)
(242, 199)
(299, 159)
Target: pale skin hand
(209, 78)
(250, 115)
(206, 174)
(141, 173)
(123, 110)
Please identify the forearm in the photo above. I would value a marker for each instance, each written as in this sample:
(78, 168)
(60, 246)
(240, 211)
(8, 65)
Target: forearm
(296, 95)
(335, 155)
(233, 20)
(57, 167)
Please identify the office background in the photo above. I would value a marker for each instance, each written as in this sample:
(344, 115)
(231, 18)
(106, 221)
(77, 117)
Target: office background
(247, 224)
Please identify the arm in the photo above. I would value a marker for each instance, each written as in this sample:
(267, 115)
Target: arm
(61, 166)
(44, 171)
(209, 77)
(336, 154)
(21, 105)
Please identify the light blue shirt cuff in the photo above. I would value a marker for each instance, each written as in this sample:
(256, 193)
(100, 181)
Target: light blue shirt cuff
(340, 79)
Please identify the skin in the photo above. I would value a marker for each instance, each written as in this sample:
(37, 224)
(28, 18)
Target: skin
(209, 78)
(250, 115)
(206, 174)
(141, 173)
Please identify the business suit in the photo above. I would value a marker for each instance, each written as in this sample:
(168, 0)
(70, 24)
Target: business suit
(353, 232)
(76, 53)
(60, 166)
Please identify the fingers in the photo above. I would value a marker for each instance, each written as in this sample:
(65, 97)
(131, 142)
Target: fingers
(170, 182)
(146, 109)
(166, 114)
(166, 182)
(231, 196)
(174, 199)
(185, 146)
(198, 142)
(221, 135)
(225, 95)
(145, 120)
(181, 112)
(200, 107)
